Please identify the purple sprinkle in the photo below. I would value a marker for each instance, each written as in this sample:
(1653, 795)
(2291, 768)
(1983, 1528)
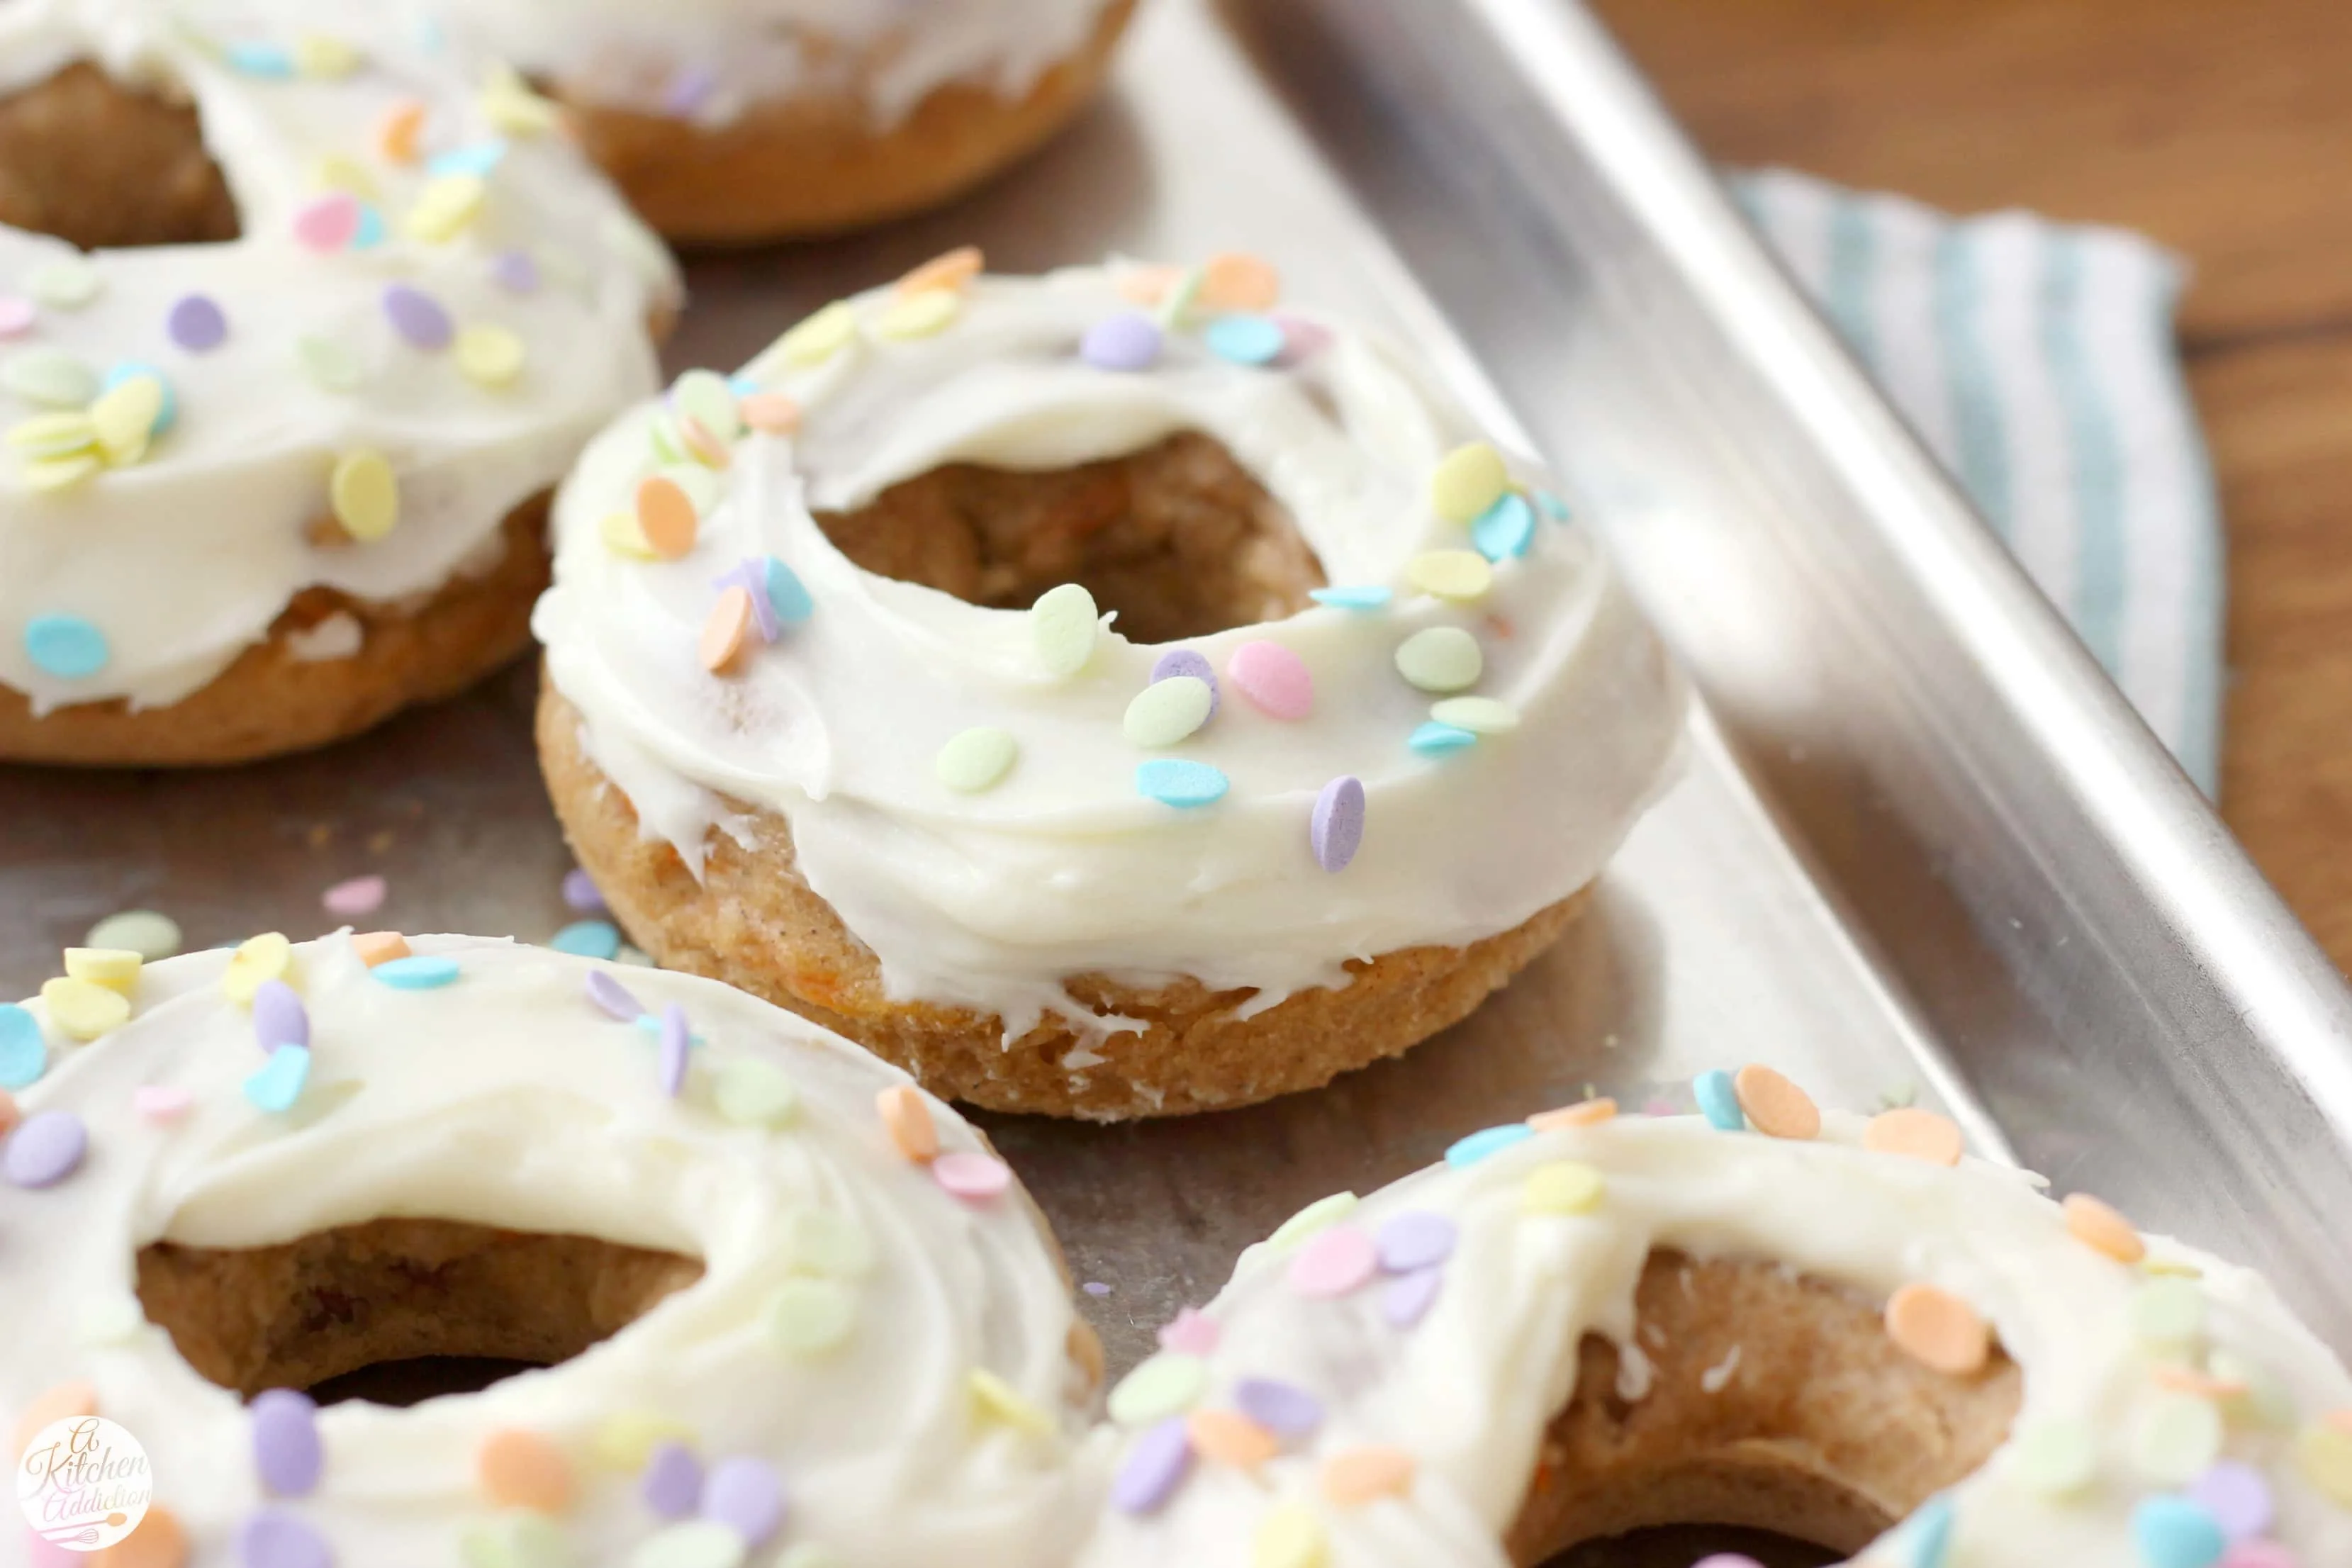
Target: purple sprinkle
(515, 271)
(1184, 661)
(278, 1016)
(675, 1040)
(579, 893)
(751, 574)
(1409, 1297)
(1302, 339)
(613, 997)
(1416, 1239)
(1338, 825)
(690, 89)
(743, 1494)
(1094, 1287)
(46, 1149)
(1128, 340)
(2238, 1496)
(1153, 1467)
(417, 317)
(1727, 1560)
(267, 1539)
(196, 323)
(671, 1483)
(286, 1442)
(1283, 1408)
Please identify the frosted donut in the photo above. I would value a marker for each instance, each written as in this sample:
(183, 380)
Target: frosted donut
(729, 121)
(1839, 1330)
(299, 330)
(808, 1314)
(1282, 828)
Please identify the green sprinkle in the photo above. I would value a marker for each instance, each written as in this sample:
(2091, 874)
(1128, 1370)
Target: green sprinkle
(1479, 715)
(67, 284)
(1063, 624)
(751, 1093)
(51, 377)
(519, 1539)
(143, 931)
(809, 1317)
(1166, 712)
(2168, 1312)
(1168, 1384)
(333, 365)
(1314, 1216)
(1441, 658)
(976, 759)
(704, 395)
(696, 1544)
(2056, 1458)
(2178, 1438)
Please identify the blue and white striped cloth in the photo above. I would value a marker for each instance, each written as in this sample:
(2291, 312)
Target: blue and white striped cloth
(2037, 361)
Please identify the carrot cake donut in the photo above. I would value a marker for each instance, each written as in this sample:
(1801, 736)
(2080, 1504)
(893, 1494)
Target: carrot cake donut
(297, 330)
(787, 1307)
(1099, 708)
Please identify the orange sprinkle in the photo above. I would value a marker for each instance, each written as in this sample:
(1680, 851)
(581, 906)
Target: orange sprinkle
(2102, 1229)
(2339, 1419)
(1230, 1437)
(666, 517)
(11, 1112)
(1235, 280)
(65, 1402)
(519, 1469)
(708, 450)
(909, 1122)
(160, 1541)
(1367, 1475)
(952, 270)
(2203, 1384)
(729, 626)
(1148, 285)
(1938, 1329)
(396, 137)
(376, 947)
(1585, 1113)
(770, 413)
(1915, 1134)
(1776, 1106)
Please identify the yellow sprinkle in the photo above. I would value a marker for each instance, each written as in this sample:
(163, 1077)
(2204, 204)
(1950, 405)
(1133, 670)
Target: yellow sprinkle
(59, 435)
(365, 494)
(268, 956)
(116, 968)
(996, 1400)
(319, 55)
(1564, 1186)
(53, 474)
(446, 207)
(1460, 575)
(622, 536)
(1288, 1537)
(2324, 1455)
(490, 356)
(82, 1009)
(508, 103)
(125, 416)
(340, 171)
(919, 314)
(624, 1440)
(820, 337)
(1466, 481)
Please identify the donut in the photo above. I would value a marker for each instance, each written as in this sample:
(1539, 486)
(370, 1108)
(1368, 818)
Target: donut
(1832, 1327)
(788, 1304)
(729, 121)
(297, 332)
(1095, 708)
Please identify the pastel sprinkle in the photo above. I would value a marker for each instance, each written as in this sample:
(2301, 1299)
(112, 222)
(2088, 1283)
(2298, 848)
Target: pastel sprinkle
(151, 935)
(1505, 530)
(1459, 576)
(626, 1440)
(50, 435)
(1273, 678)
(786, 593)
(1320, 1215)
(376, 948)
(743, 1494)
(2102, 1229)
(690, 1543)
(1583, 1113)
(579, 890)
(1283, 1408)
(2168, 1312)
(1168, 710)
(1336, 828)
(1191, 1330)
(355, 897)
(1237, 280)
(919, 315)
(2237, 1495)
(1289, 1536)
(327, 223)
(422, 973)
(2177, 1439)
(671, 1484)
(1928, 1533)
(1128, 340)
(1357, 597)
(24, 1055)
(725, 630)
(1774, 1105)
(67, 646)
(1487, 1142)
(1244, 340)
(1179, 661)
(809, 1317)
(771, 412)
(66, 284)
(1166, 1385)
(1355, 1477)
(676, 1048)
(195, 323)
(1466, 481)
(330, 364)
(49, 476)
(908, 1120)
(820, 1241)
(666, 517)
(418, 317)
(2175, 1533)
(83, 1010)
(161, 1104)
(51, 377)
(1915, 1134)
(516, 1538)
(1479, 715)
(490, 356)
(267, 1539)
(1938, 1329)
(973, 1177)
(2323, 1452)
(1184, 784)
(1436, 739)
(268, 956)
(1063, 626)
(820, 336)
(1227, 1438)
(1417, 1238)
(515, 271)
(2057, 1458)
(508, 102)
(286, 1450)
(994, 1399)
(279, 1016)
(325, 55)
(588, 939)
(975, 759)
(364, 493)
(17, 315)
(278, 1083)
(1441, 658)
(1563, 1187)
(1718, 1101)
(949, 269)
(46, 1148)
(519, 1469)
(1552, 506)
(1155, 1466)
(1333, 1263)
(127, 415)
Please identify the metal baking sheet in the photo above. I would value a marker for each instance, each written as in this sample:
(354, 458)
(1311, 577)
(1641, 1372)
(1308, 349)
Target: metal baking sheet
(1917, 849)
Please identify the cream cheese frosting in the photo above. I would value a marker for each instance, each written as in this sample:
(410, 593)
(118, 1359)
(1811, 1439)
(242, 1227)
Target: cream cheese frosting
(482, 1083)
(989, 898)
(1515, 1279)
(434, 302)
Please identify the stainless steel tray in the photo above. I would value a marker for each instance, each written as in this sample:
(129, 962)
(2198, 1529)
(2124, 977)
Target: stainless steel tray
(1920, 847)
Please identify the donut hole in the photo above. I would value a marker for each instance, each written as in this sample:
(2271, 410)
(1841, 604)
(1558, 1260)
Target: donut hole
(472, 1303)
(1762, 1399)
(1177, 538)
(103, 165)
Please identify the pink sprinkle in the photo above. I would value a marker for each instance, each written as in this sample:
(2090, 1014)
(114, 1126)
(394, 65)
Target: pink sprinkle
(971, 1177)
(1302, 339)
(2260, 1554)
(360, 896)
(1273, 679)
(161, 1102)
(1191, 1332)
(17, 315)
(1334, 1262)
(329, 223)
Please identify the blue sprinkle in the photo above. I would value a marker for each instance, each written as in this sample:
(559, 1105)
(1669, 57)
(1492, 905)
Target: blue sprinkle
(429, 37)
(418, 974)
(651, 1023)
(743, 385)
(1929, 1533)
(1492, 1141)
(370, 232)
(67, 646)
(1436, 739)
(788, 594)
(1244, 339)
(1171, 781)
(477, 158)
(1553, 507)
(1364, 596)
(588, 939)
(1718, 1101)
(124, 369)
(2171, 1533)
(261, 59)
(1506, 528)
(24, 1055)
(278, 1083)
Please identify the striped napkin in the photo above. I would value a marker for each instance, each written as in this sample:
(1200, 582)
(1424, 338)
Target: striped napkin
(2036, 360)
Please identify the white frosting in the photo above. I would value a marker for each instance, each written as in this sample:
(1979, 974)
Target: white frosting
(710, 60)
(184, 559)
(1469, 1391)
(990, 900)
(506, 1099)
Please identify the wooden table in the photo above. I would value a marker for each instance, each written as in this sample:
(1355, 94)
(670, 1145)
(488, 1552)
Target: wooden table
(2224, 128)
